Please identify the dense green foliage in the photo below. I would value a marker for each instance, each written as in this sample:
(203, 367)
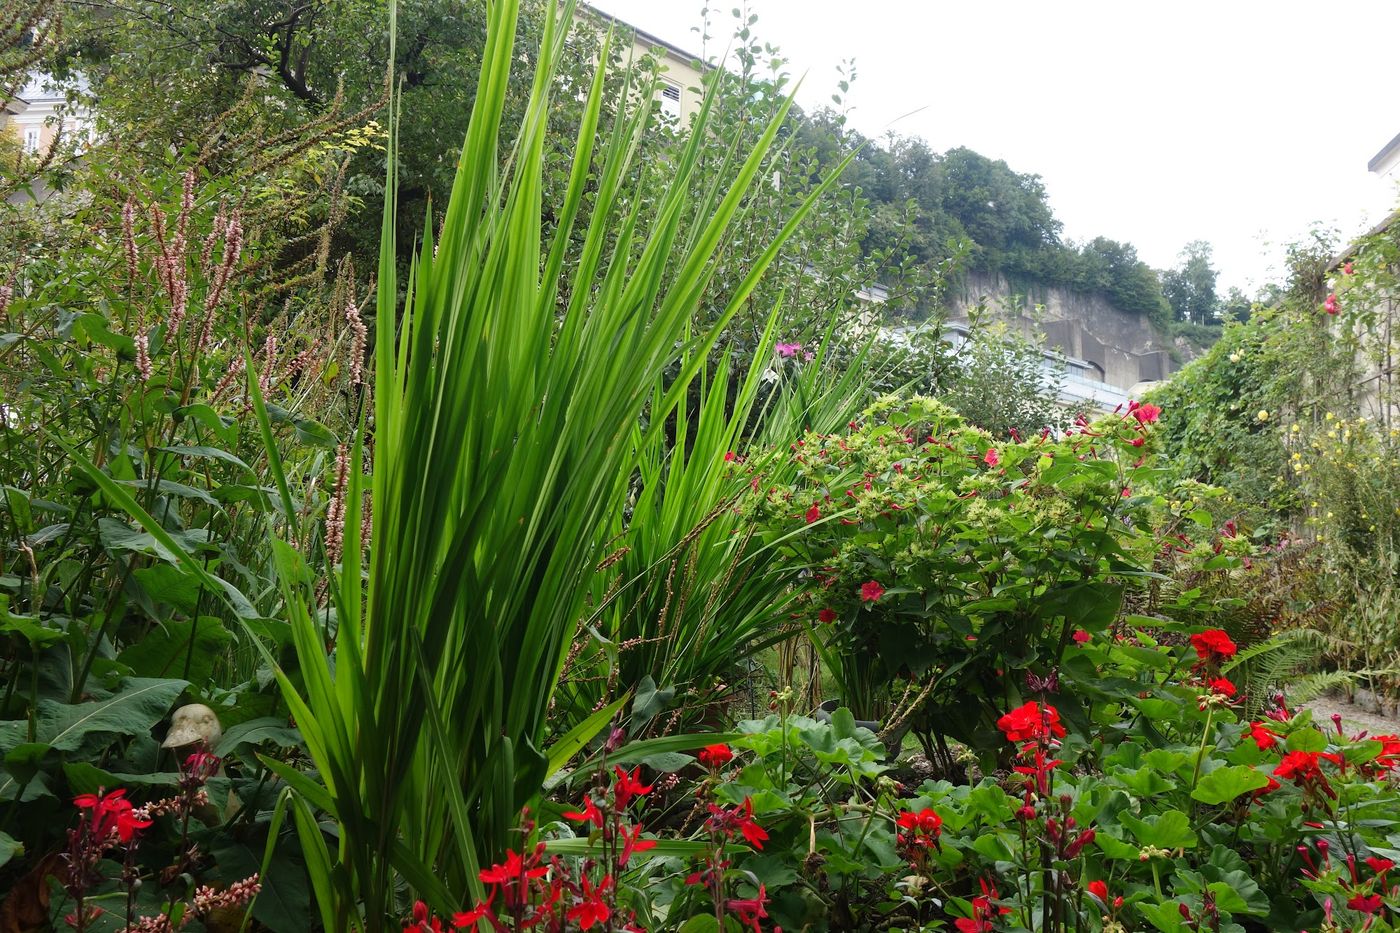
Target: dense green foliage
(475, 585)
(1293, 411)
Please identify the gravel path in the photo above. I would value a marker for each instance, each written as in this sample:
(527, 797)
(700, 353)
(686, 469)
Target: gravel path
(1354, 718)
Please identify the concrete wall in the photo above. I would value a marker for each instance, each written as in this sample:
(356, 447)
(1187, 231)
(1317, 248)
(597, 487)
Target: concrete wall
(1123, 347)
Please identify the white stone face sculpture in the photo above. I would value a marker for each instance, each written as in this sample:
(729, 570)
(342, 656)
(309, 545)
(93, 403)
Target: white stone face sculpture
(193, 724)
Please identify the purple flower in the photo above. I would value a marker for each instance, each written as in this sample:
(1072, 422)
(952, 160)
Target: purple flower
(788, 349)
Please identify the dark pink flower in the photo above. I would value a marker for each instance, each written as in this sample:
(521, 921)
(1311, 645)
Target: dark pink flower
(870, 591)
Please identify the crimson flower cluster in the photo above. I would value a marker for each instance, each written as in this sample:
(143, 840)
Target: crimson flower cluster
(112, 815)
(985, 911)
(917, 834)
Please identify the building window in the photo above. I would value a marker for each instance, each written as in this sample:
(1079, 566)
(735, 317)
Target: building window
(671, 99)
(31, 139)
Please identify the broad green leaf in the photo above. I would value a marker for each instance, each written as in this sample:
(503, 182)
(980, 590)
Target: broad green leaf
(188, 649)
(1225, 784)
(1168, 830)
(9, 848)
(134, 710)
(1307, 740)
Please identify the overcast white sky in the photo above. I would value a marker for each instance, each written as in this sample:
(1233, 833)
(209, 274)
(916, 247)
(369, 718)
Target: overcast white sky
(1233, 121)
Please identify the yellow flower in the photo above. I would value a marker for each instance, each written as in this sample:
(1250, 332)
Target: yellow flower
(1263, 415)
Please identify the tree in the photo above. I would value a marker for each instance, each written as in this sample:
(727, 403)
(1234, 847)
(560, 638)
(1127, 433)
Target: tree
(1190, 287)
(1235, 306)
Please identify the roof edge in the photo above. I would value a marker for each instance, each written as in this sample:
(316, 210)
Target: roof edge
(1386, 151)
(647, 37)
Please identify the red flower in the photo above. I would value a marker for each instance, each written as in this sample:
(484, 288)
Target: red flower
(1137, 442)
(1223, 687)
(632, 842)
(469, 918)
(425, 922)
(1213, 643)
(1099, 889)
(926, 822)
(729, 456)
(813, 514)
(511, 871)
(1302, 767)
(1366, 903)
(628, 786)
(111, 813)
(871, 591)
(715, 756)
(1330, 305)
(827, 615)
(1347, 269)
(593, 909)
(1379, 865)
(1390, 750)
(590, 814)
(1031, 721)
(1263, 736)
(750, 910)
(992, 458)
(737, 819)
(1146, 414)
(1081, 637)
(984, 913)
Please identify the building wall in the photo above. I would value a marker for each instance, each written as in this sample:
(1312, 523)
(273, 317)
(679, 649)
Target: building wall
(42, 119)
(1122, 348)
(681, 70)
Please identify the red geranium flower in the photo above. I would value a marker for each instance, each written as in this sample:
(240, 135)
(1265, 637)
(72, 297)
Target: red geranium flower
(715, 756)
(1223, 687)
(827, 615)
(926, 822)
(1263, 736)
(1031, 721)
(1213, 643)
(870, 591)
(1301, 767)
(1390, 750)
